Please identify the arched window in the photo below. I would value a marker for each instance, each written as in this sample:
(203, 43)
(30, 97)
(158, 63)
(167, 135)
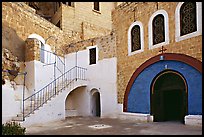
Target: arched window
(188, 20)
(158, 29)
(135, 38)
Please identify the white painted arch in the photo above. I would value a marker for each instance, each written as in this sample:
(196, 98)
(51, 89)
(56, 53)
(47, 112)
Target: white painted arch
(178, 36)
(141, 38)
(166, 29)
(38, 37)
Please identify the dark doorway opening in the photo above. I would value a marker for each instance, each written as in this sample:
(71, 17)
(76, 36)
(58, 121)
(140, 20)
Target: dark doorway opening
(96, 104)
(169, 97)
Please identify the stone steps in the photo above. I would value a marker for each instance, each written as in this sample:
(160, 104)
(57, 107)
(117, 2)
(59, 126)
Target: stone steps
(40, 101)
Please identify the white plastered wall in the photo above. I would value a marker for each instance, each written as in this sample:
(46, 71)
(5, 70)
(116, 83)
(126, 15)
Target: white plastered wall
(11, 100)
(101, 76)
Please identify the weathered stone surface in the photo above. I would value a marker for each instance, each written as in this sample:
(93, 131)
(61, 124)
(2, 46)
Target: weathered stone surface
(12, 42)
(106, 45)
(78, 23)
(9, 62)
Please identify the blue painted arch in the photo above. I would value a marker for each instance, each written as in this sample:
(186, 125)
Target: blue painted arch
(138, 100)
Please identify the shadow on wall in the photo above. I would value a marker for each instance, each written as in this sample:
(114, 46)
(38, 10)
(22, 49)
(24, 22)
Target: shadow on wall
(12, 42)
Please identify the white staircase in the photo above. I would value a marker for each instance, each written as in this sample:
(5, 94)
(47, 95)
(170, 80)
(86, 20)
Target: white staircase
(53, 95)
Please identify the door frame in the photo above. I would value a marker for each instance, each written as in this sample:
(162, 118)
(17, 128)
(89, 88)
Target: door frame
(152, 89)
(95, 92)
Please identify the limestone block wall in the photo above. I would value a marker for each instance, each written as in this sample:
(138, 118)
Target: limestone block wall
(32, 50)
(105, 44)
(81, 16)
(22, 18)
(78, 23)
(123, 17)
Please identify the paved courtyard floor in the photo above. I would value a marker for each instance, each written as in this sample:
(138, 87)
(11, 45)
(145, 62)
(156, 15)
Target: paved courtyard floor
(109, 126)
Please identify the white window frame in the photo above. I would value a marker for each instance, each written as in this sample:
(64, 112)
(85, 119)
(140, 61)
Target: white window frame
(91, 47)
(178, 36)
(166, 29)
(130, 53)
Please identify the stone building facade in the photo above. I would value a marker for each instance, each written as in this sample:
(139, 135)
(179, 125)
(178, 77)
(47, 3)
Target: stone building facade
(77, 22)
(132, 78)
(33, 29)
(130, 56)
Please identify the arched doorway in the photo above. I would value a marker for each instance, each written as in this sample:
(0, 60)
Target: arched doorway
(76, 102)
(169, 97)
(96, 105)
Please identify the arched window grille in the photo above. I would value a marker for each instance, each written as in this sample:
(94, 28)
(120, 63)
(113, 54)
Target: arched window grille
(188, 22)
(158, 29)
(135, 38)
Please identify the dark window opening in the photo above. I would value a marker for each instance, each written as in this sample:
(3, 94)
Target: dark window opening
(188, 18)
(92, 56)
(58, 24)
(135, 38)
(70, 4)
(56, 6)
(158, 29)
(33, 5)
(96, 6)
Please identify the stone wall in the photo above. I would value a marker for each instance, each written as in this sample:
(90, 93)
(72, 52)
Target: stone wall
(32, 50)
(86, 21)
(25, 22)
(106, 46)
(123, 17)
(12, 42)
(9, 62)
(77, 24)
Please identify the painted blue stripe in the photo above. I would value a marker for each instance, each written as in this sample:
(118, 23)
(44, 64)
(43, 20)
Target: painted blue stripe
(139, 95)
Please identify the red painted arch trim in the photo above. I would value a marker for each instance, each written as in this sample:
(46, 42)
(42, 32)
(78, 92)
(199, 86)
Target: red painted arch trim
(167, 56)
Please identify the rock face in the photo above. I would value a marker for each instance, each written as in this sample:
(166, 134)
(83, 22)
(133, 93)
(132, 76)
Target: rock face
(13, 52)
(12, 42)
(9, 62)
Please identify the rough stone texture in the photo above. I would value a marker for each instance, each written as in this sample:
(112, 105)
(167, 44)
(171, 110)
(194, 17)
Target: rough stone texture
(9, 62)
(32, 50)
(25, 22)
(106, 45)
(12, 42)
(78, 23)
(123, 17)
(87, 22)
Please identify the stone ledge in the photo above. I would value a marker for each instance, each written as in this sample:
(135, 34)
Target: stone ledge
(138, 117)
(193, 120)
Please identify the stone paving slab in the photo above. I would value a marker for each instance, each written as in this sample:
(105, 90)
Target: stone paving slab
(110, 126)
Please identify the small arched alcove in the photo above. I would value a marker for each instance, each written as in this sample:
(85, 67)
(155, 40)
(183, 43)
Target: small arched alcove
(76, 102)
(95, 103)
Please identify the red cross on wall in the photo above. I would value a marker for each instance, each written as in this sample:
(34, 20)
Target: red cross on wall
(162, 49)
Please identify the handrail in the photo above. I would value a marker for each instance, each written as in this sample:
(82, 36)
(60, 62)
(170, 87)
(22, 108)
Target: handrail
(52, 82)
(59, 59)
(47, 92)
(53, 54)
